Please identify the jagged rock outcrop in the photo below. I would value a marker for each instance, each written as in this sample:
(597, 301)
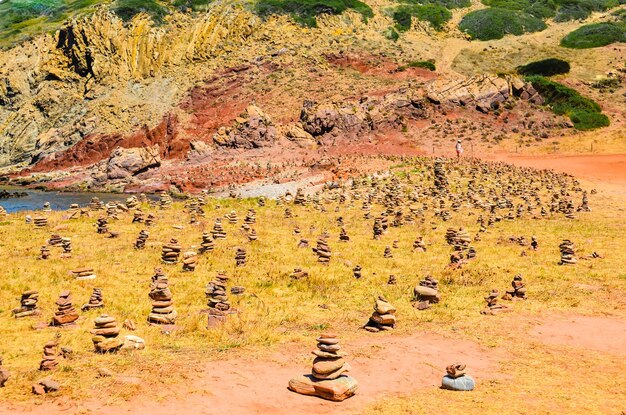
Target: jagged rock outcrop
(124, 163)
(252, 129)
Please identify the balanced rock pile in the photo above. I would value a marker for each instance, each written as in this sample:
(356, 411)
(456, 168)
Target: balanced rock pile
(519, 289)
(55, 239)
(232, 217)
(298, 274)
(4, 374)
(190, 260)
(66, 313)
(28, 305)
(419, 245)
(50, 358)
(140, 242)
(240, 257)
(323, 251)
(45, 252)
(383, 317)
(83, 274)
(327, 379)
(250, 218)
(165, 201)
(162, 304)
(3, 212)
(150, 220)
(218, 230)
(217, 299)
(568, 256)
(343, 235)
(102, 225)
(66, 244)
(170, 252)
(207, 244)
(426, 293)
(356, 272)
(96, 204)
(138, 217)
(388, 253)
(456, 379)
(441, 180)
(105, 335)
(95, 301)
(40, 222)
(493, 307)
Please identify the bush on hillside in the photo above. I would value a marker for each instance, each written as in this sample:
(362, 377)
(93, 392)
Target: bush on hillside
(305, 11)
(430, 65)
(196, 5)
(545, 67)
(595, 35)
(448, 4)
(495, 23)
(127, 9)
(435, 14)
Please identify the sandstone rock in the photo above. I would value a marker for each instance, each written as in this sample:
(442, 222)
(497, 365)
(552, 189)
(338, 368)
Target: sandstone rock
(126, 162)
(252, 129)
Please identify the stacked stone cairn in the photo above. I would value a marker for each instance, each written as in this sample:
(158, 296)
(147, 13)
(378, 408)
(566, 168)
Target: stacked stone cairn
(46, 207)
(96, 204)
(356, 271)
(4, 374)
(217, 300)
(419, 245)
(240, 257)
(95, 301)
(378, 228)
(165, 201)
(132, 202)
(232, 217)
(383, 317)
(28, 305)
(150, 220)
(328, 379)
(82, 274)
(218, 230)
(456, 379)
(170, 252)
(105, 334)
(392, 280)
(207, 244)
(441, 180)
(300, 199)
(250, 218)
(303, 243)
(66, 244)
(252, 236)
(190, 260)
(40, 222)
(426, 293)
(288, 213)
(163, 311)
(388, 253)
(45, 252)
(493, 307)
(138, 217)
(534, 244)
(518, 291)
(343, 235)
(298, 274)
(102, 225)
(51, 355)
(55, 239)
(323, 251)
(66, 313)
(140, 242)
(568, 256)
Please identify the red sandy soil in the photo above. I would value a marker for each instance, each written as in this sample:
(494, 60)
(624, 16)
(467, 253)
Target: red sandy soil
(603, 334)
(385, 365)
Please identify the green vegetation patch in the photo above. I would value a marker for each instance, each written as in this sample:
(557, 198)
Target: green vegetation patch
(196, 5)
(495, 23)
(430, 65)
(545, 67)
(595, 35)
(585, 113)
(435, 14)
(127, 9)
(306, 11)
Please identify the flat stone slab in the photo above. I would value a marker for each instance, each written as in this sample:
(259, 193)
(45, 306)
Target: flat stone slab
(334, 390)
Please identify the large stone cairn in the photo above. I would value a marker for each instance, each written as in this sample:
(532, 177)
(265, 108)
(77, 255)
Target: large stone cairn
(95, 301)
(66, 244)
(207, 244)
(419, 245)
(28, 305)
(493, 307)
(40, 222)
(170, 252)
(218, 230)
(232, 217)
(518, 291)
(66, 313)
(584, 206)
(140, 242)
(102, 225)
(51, 355)
(250, 218)
(217, 299)
(84, 273)
(132, 202)
(441, 180)
(343, 235)
(105, 335)
(328, 379)
(323, 251)
(150, 220)
(252, 236)
(383, 317)
(55, 239)
(190, 260)
(568, 256)
(456, 379)
(138, 217)
(388, 253)
(4, 374)
(378, 228)
(426, 293)
(165, 201)
(162, 304)
(96, 204)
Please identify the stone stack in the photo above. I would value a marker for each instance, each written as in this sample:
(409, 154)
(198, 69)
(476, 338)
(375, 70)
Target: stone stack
(456, 379)
(323, 251)
(51, 356)
(96, 204)
(240, 257)
(378, 228)
(28, 219)
(132, 202)
(28, 305)
(232, 217)
(303, 243)
(568, 256)
(4, 374)
(343, 235)
(217, 299)
(426, 293)
(250, 218)
(3, 212)
(300, 199)
(261, 201)
(298, 274)
(150, 220)
(170, 252)
(518, 291)
(356, 272)
(82, 274)
(45, 252)
(55, 239)
(40, 222)
(207, 244)
(66, 313)
(190, 260)
(140, 242)
(584, 206)
(419, 245)
(252, 236)
(105, 335)
(493, 307)
(534, 244)
(450, 236)
(138, 217)
(441, 180)
(388, 253)
(102, 225)
(383, 317)
(95, 301)
(328, 379)
(392, 280)
(288, 213)
(46, 207)
(162, 304)
(165, 201)
(218, 230)
(462, 240)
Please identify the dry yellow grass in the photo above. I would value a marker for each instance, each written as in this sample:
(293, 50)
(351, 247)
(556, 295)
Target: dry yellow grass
(276, 310)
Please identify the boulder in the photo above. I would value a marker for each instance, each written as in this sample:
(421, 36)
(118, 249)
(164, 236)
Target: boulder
(463, 383)
(252, 129)
(335, 390)
(126, 162)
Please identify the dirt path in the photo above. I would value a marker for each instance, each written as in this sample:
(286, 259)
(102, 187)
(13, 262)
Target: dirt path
(384, 365)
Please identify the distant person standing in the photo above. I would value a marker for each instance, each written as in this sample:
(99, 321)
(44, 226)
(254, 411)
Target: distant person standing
(459, 149)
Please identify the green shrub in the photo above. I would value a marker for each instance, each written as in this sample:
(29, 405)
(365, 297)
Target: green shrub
(585, 113)
(435, 14)
(305, 11)
(545, 67)
(448, 4)
(595, 35)
(494, 23)
(197, 5)
(127, 9)
(391, 34)
(430, 65)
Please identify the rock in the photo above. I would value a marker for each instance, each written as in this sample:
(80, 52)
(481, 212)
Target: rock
(463, 383)
(133, 343)
(103, 372)
(334, 390)
(126, 162)
(252, 129)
